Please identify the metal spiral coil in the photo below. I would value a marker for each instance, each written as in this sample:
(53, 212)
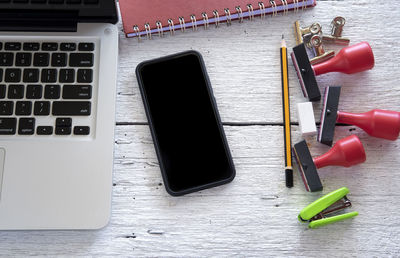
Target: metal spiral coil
(148, 30)
(274, 8)
(194, 22)
(216, 16)
(205, 19)
(228, 16)
(182, 23)
(159, 29)
(240, 13)
(171, 26)
(239, 16)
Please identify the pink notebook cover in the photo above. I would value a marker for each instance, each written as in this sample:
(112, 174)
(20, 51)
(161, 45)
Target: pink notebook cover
(144, 17)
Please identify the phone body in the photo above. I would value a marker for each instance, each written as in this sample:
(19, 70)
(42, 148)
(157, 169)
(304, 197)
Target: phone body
(185, 125)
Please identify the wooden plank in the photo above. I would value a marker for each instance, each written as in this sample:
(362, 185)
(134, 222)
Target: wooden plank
(243, 62)
(255, 215)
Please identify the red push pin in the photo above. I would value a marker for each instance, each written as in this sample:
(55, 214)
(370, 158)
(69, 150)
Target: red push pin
(377, 123)
(346, 152)
(349, 60)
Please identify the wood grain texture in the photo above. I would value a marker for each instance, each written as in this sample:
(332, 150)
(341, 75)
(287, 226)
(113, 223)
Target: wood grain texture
(243, 62)
(255, 215)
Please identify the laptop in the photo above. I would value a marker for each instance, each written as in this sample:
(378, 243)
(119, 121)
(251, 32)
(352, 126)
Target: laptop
(58, 66)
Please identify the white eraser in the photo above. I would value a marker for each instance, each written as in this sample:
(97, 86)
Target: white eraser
(305, 113)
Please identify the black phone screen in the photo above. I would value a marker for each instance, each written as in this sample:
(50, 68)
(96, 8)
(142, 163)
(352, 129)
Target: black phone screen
(188, 135)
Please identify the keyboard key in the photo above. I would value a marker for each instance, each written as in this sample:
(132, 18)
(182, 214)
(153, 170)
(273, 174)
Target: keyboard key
(38, 1)
(1, 74)
(85, 76)
(59, 59)
(12, 75)
(81, 60)
(21, 1)
(6, 108)
(23, 108)
(63, 122)
(26, 126)
(52, 91)
(73, 1)
(2, 91)
(1, 45)
(86, 46)
(49, 46)
(6, 59)
(77, 92)
(56, 1)
(63, 130)
(41, 59)
(67, 75)
(71, 108)
(31, 75)
(23, 59)
(12, 46)
(30, 46)
(49, 75)
(41, 108)
(34, 91)
(81, 130)
(8, 126)
(44, 130)
(15, 91)
(67, 46)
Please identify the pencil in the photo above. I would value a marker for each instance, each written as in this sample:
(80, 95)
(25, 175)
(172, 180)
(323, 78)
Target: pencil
(286, 116)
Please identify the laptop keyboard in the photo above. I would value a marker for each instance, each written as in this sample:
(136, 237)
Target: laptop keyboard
(46, 87)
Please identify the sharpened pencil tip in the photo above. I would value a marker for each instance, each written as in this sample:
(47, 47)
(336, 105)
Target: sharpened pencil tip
(283, 43)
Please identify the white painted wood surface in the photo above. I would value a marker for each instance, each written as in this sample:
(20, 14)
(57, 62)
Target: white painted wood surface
(255, 215)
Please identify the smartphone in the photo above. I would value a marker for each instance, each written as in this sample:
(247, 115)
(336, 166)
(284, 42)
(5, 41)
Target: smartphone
(188, 135)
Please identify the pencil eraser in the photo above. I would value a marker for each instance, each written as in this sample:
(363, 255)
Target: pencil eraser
(306, 118)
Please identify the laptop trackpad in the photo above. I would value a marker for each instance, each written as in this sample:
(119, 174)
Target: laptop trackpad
(2, 156)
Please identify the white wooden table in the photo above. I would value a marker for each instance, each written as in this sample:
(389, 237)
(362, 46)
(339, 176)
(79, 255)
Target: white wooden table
(255, 215)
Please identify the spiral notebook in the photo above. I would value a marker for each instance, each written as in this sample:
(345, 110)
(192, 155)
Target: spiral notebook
(143, 18)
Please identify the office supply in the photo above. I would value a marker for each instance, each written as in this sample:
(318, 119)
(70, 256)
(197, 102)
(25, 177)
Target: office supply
(378, 123)
(329, 115)
(304, 34)
(337, 25)
(305, 113)
(349, 60)
(346, 152)
(319, 52)
(286, 115)
(144, 18)
(316, 213)
(57, 113)
(191, 157)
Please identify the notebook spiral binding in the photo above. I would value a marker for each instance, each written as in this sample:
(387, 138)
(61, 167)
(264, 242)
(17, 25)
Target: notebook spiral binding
(216, 17)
